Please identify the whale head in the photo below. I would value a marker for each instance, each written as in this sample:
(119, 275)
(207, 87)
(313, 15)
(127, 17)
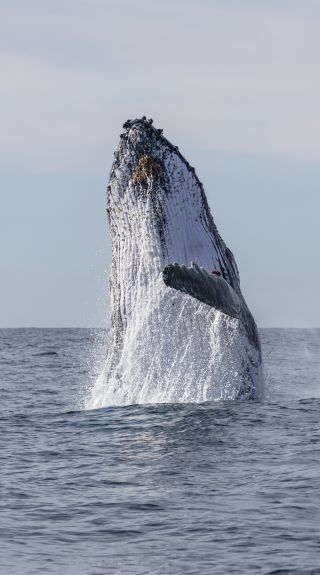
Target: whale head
(157, 207)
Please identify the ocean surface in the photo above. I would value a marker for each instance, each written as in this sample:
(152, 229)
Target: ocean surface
(190, 489)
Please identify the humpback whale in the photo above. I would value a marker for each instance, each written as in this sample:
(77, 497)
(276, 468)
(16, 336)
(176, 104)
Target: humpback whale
(181, 330)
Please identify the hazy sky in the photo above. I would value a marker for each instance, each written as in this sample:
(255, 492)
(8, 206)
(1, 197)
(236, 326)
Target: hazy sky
(234, 83)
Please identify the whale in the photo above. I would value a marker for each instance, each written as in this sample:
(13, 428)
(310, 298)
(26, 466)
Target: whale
(181, 330)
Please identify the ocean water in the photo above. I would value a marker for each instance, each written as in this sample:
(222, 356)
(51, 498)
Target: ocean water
(190, 489)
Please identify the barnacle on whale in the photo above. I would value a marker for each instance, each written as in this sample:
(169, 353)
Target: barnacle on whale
(147, 168)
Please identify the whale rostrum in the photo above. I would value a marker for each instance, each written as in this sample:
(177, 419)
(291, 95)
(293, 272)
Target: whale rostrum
(180, 327)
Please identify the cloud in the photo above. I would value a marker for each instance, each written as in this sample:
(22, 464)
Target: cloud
(223, 75)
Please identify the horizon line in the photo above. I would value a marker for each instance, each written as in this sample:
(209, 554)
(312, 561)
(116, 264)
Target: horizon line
(107, 327)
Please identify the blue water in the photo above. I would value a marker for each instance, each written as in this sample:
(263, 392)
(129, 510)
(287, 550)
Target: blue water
(167, 489)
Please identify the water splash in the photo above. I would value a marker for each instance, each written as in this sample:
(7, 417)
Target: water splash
(178, 351)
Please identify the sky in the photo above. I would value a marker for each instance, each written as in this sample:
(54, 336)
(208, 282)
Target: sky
(234, 83)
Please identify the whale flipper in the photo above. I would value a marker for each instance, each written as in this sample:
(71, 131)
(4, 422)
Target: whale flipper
(205, 286)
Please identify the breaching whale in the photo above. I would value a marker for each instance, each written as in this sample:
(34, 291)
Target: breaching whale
(181, 330)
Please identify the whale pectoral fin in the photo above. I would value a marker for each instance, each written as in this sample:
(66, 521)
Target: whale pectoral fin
(204, 286)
